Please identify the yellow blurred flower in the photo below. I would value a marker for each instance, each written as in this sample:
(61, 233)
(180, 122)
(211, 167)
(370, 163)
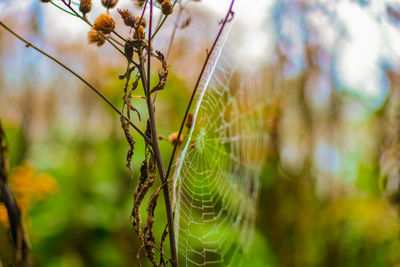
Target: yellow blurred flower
(3, 215)
(28, 187)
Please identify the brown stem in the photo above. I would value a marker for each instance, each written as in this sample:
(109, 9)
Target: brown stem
(142, 15)
(155, 145)
(172, 37)
(28, 44)
(178, 18)
(226, 20)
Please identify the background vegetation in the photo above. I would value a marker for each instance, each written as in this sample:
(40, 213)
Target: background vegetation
(330, 184)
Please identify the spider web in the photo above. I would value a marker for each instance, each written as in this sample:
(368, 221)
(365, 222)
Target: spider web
(217, 179)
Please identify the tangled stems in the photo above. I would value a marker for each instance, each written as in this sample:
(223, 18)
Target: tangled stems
(28, 44)
(75, 13)
(143, 49)
(155, 145)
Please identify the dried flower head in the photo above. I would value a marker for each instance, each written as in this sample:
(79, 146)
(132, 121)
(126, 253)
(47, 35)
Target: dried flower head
(166, 7)
(127, 16)
(104, 23)
(172, 138)
(139, 33)
(109, 3)
(85, 6)
(45, 1)
(95, 37)
(140, 20)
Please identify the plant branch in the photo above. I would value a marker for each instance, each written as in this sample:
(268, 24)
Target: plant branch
(155, 145)
(90, 24)
(142, 15)
(66, 11)
(170, 43)
(159, 27)
(149, 50)
(28, 44)
(87, 21)
(162, 22)
(226, 20)
(178, 18)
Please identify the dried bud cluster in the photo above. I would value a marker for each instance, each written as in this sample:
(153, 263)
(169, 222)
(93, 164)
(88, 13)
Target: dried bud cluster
(127, 16)
(173, 138)
(166, 7)
(130, 20)
(109, 3)
(95, 37)
(85, 6)
(104, 23)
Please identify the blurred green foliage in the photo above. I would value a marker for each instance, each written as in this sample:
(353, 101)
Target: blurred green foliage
(85, 222)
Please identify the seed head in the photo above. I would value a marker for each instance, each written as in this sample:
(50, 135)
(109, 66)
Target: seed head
(85, 6)
(95, 38)
(104, 23)
(173, 138)
(127, 16)
(109, 3)
(166, 7)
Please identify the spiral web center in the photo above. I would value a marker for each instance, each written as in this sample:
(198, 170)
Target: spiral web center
(217, 180)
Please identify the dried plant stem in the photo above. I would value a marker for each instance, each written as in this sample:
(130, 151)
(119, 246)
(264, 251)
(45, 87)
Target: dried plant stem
(87, 21)
(158, 28)
(142, 15)
(161, 23)
(178, 18)
(28, 44)
(155, 145)
(66, 11)
(161, 169)
(226, 20)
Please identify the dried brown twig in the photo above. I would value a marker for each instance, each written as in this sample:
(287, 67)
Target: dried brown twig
(28, 44)
(138, 51)
(19, 238)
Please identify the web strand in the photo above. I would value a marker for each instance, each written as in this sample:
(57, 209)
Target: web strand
(216, 183)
